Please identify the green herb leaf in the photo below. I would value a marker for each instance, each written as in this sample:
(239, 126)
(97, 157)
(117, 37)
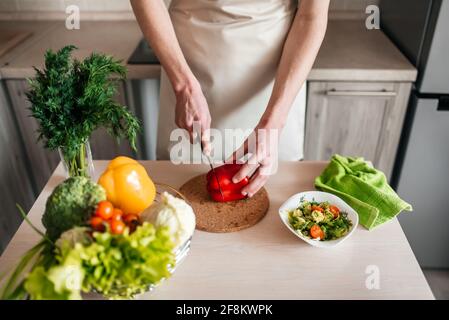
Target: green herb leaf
(70, 99)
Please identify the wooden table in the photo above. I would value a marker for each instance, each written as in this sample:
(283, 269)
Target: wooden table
(267, 261)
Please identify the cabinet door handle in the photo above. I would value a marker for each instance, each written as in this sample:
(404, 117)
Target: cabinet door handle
(443, 103)
(383, 93)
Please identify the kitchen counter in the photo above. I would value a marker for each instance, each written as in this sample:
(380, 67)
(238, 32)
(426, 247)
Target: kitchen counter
(117, 38)
(350, 52)
(267, 261)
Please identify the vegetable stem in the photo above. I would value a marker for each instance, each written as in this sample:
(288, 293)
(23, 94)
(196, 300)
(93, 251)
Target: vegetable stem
(10, 288)
(77, 164)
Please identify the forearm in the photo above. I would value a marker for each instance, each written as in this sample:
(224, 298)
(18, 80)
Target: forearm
(154, 20)
(299, 53)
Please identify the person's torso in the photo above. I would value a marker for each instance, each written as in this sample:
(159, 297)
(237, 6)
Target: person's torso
(233, 48)
(229, 44)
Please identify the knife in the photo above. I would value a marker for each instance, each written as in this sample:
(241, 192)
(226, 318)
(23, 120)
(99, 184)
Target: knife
(213, 171)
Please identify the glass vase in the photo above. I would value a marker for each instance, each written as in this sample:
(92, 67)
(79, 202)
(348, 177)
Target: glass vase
(79, 163)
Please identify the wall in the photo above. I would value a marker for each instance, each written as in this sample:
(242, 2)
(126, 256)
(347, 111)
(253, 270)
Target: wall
(351, 5)
(60, 5)
(123, 5)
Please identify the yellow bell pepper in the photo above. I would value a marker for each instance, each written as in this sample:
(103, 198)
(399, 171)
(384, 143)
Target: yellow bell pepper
(128, 185)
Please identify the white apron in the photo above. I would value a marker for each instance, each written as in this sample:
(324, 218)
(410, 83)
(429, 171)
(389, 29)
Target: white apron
(233, 48)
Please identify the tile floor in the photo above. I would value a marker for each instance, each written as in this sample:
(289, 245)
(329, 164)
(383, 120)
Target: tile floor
(438, 280)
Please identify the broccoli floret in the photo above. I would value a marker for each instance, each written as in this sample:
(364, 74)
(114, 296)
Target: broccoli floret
(71, 204)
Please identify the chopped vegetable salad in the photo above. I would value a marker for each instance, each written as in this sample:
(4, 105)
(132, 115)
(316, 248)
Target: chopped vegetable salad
(319, 220)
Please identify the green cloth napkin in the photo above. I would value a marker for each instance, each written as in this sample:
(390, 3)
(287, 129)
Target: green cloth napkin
(364, 188)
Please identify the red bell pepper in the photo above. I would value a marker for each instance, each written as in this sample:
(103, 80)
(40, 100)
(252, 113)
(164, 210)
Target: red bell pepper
(231, 191)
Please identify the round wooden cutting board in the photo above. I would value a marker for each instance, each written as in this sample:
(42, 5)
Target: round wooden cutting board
(230, 216)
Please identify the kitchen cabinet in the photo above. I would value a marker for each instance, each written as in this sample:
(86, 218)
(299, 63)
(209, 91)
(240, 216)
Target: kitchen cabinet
(44, 161)
(15, 185)
(355, 119)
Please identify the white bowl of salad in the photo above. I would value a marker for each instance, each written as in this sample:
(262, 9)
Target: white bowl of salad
(319, 218)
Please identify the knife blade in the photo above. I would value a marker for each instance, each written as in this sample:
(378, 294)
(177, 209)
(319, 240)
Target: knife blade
(213, 171)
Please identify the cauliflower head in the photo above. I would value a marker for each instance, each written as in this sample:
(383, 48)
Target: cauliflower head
(174, 213)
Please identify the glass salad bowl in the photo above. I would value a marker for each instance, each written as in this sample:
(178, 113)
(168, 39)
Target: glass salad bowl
(180, 251)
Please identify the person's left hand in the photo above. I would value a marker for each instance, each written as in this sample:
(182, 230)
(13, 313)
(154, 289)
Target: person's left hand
(261, 148)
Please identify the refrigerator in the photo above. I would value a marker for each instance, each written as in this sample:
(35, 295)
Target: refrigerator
(420, 29)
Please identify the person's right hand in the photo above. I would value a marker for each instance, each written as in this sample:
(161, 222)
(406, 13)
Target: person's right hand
(191, 106)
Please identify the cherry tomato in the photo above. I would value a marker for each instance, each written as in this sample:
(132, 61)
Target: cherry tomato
(117, 227)
(130, 218)
(117, 214)
(335, 211)
(104, 210)
(132, 221)
(317, 208)
(316, 232)
(97, 224)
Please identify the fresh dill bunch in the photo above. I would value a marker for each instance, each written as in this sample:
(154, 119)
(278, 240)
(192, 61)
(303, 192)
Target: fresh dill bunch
(70, 99)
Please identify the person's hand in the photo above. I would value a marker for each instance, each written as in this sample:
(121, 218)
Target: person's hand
(261, 148)
(191, 107)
